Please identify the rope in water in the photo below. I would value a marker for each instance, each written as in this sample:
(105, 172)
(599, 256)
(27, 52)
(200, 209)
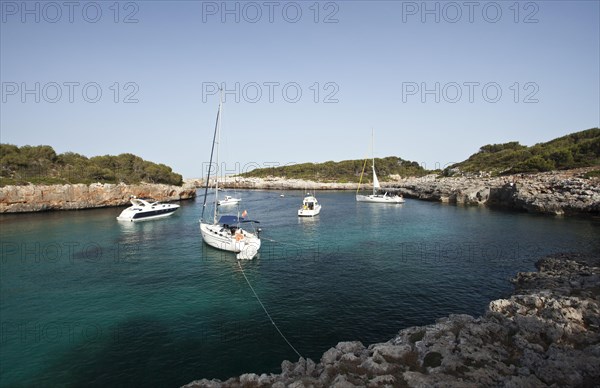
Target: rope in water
(266, 312)
(281, 242)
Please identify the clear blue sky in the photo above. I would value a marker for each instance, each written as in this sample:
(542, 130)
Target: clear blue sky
(368, 64)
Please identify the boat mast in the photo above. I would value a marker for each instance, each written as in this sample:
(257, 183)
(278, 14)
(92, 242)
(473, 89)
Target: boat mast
(218, 141)
(373, 156)
(212, 150)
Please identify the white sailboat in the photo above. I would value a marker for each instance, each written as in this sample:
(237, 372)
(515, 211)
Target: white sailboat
(225, 232)
(376, 198)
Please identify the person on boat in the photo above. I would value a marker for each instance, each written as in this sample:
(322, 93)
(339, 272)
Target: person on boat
(238, 235)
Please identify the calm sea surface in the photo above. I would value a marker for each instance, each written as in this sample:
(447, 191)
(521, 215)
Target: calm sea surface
(87, 300)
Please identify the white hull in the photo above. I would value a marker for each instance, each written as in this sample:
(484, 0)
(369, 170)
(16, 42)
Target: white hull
(143, 210)
(221, 238)
(309, 212)
(228, 201)
(128, 218)
(380, 198)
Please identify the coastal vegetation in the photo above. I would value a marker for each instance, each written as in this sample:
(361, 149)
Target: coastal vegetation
(576, 150)
(42, 165)
(579, 149)
(344, 171)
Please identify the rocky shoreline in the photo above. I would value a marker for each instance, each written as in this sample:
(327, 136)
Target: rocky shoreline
(546, 334)
(35, 198)
(556, 193)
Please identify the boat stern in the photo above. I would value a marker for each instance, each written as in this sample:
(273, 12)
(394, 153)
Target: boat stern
(248, 249)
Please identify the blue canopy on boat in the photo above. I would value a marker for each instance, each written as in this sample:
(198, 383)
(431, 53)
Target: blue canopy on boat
(232, 220)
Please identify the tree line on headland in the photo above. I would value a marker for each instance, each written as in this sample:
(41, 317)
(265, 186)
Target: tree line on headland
(342, 172)
(42, 165)
(579, 149)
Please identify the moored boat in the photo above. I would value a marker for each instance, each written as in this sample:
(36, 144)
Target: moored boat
(228, 200)
(310, 206)
(227, 232)
(375, 197)
(146, 209)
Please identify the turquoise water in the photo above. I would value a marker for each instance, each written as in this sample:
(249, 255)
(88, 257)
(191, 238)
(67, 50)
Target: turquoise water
(86, 300)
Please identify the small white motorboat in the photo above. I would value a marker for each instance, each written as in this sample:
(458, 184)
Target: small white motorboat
(142, 209)
(310, 207)
(228, 200)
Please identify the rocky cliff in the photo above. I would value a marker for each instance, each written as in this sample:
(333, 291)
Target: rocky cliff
(546, 334)
(32, 198)
(560, 193)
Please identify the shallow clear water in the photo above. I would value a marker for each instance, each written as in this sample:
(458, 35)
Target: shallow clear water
(87, 300)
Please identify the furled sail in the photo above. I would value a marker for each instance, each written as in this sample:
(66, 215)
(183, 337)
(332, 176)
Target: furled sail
(376, 185)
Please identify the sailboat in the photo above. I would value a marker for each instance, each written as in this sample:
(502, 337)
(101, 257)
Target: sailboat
(377, 198)
(227, 232)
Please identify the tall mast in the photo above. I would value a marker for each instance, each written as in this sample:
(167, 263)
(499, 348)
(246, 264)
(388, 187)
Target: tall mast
(218, 141)
(212, 150)
(373, 155)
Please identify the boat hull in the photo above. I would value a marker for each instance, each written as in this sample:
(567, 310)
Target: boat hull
(162, 211)
(309, 212)
(221, 238)
(380, 199)
(228, 202)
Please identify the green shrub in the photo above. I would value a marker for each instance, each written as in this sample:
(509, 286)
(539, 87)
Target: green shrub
(40, 164)
(579, 149)
(344, 171)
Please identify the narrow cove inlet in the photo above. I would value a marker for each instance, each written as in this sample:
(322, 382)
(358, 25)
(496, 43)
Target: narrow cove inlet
(149, 304)
(319, 194)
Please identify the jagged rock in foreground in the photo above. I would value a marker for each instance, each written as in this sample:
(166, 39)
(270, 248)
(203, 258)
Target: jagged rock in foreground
(546, 334)
(33, 198)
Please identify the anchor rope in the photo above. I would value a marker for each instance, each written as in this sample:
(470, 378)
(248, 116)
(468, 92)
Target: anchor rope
(266, 312)
(281, 242)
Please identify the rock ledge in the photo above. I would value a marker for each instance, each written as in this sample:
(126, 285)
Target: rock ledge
(35, 198)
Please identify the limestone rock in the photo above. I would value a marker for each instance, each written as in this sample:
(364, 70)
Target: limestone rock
(33, 198)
